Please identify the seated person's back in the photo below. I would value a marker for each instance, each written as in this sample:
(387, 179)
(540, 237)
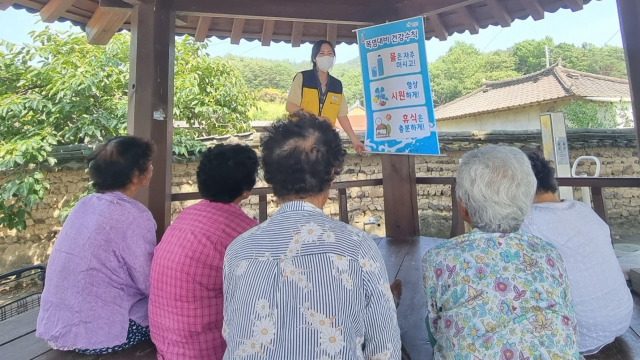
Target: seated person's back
(185, 304)
(497, 293)
(96, 295)
(303, 285)
(601, 298)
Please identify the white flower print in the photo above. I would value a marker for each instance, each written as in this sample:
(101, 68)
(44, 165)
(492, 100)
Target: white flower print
(286, 264)
(262, 307)
(297, 239)
(359, 342)
(255, 345)
(329, 237)
(242, 267)
(368, 264)
(264, 330)
(322, 322)
(386, 290)
(267, 256)
(385, 355)
(293, 249)
(331, 340)
(225, 331)
(245, 350)
(300, 279)
(346, 281)
(340, 262)
(291, 272)
(310, 232)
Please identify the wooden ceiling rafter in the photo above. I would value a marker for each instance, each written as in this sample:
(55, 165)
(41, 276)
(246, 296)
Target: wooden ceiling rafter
(574, 5)
(237, 30)
(203, 28)
(267, 32)
(534, 8)
(280, 10)
(5, 4)
(296, 33)
(438, 27)
(54, 9)
(298, 21)
(332, 33)
(501, 15)
(105, 23)
(471, 23)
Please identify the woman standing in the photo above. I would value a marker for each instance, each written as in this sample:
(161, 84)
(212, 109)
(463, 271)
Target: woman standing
(316, 92)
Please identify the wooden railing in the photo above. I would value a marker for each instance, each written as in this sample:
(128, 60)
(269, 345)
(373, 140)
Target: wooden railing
(457, 225)
(262, 193)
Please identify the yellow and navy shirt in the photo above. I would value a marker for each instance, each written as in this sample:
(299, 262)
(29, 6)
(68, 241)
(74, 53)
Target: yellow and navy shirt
(305, 93)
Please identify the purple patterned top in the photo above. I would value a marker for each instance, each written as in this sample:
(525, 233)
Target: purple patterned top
(98, 273)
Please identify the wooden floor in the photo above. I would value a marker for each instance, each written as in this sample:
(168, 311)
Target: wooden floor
(403, 260)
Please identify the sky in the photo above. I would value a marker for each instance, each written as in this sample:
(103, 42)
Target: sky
(597, 23)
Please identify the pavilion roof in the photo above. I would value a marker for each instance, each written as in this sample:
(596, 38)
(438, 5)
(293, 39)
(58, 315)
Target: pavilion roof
(294, 21)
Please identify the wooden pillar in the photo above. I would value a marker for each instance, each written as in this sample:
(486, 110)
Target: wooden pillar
(400, 196)
(629, 14)
(150, 113)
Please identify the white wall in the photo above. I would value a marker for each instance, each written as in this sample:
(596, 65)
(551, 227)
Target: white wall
(525, 118)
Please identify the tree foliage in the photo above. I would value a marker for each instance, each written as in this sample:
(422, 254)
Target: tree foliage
(463, 68)
(61, 90)
(582, 114)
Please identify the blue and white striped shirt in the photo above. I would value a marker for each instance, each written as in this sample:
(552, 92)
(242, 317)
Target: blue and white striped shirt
(305, 286)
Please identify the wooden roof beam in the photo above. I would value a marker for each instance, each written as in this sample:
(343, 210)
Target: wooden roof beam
(203, 28)
(5, 4)
(411, 8)
(470, 21)
(332, 33)
(104, 24)
(500, 13)
(438, 27)
(533, 7)
(267, 32)
(296, 34)
(283, 11)
(574, 5)
(182, 20)
(237, 30)
(54, 9)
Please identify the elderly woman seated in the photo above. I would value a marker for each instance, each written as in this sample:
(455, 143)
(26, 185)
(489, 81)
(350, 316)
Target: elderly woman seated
(303, 285)
(96, 296)
(497, 293)
(601, 298)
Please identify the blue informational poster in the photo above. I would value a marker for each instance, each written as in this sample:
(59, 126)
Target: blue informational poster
(397, 90)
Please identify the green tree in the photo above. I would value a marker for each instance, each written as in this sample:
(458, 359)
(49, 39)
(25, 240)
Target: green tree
(580, 114)
(463, 68)
(61, 90)
(530, 55)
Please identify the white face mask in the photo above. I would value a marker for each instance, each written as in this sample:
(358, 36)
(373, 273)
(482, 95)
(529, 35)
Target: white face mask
(325, 63)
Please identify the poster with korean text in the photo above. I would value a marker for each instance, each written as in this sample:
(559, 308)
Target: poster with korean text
(397, 91)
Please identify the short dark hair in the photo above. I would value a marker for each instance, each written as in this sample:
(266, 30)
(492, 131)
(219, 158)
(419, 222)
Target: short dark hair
(226, 171)
(544, 172)
(301, 157)
(116, 162)
(317, 46)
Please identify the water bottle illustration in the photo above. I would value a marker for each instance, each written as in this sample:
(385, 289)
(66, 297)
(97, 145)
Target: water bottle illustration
(374, 72)
(380, 66)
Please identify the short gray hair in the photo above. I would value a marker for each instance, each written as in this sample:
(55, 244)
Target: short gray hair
(497, 186)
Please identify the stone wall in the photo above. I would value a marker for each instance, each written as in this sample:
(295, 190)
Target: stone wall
(615, 148)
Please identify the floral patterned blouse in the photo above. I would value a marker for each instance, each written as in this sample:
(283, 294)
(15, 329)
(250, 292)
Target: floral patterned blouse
(305, 286)
(499, 296)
